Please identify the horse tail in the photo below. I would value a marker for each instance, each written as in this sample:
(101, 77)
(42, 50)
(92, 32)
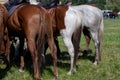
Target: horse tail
(101, 30)
(102, 25)
(100, 35)
(41, 35)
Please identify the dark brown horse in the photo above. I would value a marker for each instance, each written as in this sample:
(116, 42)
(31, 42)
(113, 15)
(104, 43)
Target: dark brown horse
(34, 24)
(4, 40)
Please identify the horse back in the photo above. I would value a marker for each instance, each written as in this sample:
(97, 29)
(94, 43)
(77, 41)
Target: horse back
(28, 17)
(13, 20)
(21, 15)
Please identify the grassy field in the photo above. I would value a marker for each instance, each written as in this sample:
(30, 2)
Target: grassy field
(108, 69)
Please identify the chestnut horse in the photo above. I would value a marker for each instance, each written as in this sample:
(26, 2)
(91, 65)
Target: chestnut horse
(34, 24)
(4, 39)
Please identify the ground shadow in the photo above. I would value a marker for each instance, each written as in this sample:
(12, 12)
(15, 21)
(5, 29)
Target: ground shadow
(3, 73)
(4, 68)
(63, 62)
(87, 55)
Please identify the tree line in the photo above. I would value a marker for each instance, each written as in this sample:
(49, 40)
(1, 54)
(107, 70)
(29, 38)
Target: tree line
(102, 4)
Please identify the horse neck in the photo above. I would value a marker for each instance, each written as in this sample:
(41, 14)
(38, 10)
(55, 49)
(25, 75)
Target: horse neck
(33, 2)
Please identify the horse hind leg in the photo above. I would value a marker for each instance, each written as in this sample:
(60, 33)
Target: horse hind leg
(87, 38)
(97, 46)
(76, 41)
(7, 49)
(53, 50)
(69, 45)
(34, 55)
(21, 55)
(100, 36)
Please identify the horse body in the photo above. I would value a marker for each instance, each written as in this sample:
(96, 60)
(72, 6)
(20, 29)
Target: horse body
(34, 26)
(90, 12)
(92, 23)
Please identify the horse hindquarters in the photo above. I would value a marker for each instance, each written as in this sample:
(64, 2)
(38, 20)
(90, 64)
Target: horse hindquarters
(93, 21)
(68, 32)
(76, 41)
(97, 38)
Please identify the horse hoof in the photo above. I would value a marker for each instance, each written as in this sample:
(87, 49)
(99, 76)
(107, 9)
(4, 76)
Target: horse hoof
(95, 63)
(85, 53)
(20, 70)
(69, 73)
(74, 71)
(55, 78)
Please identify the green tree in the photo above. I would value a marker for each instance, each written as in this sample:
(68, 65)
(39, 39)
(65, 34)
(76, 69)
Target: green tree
(113, 5)
(102, 4)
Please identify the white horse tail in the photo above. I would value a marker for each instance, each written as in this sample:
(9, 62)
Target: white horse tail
(100, 35)
(101, 29)
(102, 25)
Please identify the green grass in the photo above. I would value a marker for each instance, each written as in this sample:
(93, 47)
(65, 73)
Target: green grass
(108, 69)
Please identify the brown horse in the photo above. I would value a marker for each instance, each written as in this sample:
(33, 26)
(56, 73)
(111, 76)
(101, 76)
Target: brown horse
(34, 24)
(4, 40)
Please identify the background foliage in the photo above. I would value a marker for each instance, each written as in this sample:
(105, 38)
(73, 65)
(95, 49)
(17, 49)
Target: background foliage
(103, 4)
